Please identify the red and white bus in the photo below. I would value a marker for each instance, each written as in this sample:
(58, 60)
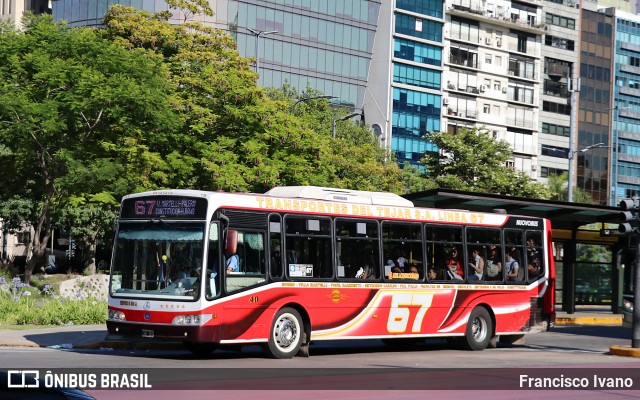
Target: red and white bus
(308, 263)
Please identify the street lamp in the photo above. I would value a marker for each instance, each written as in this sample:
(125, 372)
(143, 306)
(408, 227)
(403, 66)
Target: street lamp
(293, 107)
(257, 34)
(342, 119)
(572, 154)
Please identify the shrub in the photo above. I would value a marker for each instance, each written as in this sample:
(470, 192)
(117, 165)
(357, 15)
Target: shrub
(21, 304)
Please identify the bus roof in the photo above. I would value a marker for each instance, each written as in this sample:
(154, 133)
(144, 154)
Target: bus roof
(342, 195)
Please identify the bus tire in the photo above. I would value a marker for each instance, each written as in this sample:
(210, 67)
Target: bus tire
(479, 330)
(285, 335)
(200, 348)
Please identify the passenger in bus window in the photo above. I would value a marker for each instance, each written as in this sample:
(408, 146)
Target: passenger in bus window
(233, 263)
(476, 265)
(533, 259)
(388, 267)
(511, 264)
(493, 266)
(414, 270)
(432, 275)
(365, 272)
(275, 258)
(454, 267)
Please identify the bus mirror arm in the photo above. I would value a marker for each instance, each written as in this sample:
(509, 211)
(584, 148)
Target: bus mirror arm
(225, 224)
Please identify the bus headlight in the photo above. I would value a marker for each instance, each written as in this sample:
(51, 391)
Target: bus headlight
(191, 319)
(117, 315)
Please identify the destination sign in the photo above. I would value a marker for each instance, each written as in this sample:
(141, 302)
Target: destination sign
(166, 207)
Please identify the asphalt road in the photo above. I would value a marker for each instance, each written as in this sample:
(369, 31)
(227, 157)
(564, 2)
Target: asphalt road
(361, 369)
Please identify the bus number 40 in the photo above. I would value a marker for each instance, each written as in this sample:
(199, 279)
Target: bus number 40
(400, 311)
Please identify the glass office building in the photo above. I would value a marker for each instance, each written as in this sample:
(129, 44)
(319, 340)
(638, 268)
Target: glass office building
(329, 46)
(326, 45)
(405, 100)
(625, 171)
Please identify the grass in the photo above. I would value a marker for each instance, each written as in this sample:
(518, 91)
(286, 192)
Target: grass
(39, 304)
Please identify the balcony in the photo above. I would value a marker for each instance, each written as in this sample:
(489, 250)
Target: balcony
(522, 73)
(557, 89)
(520, 122)
(459, 112)
(464, 61)
(557, 71)
(477, 12)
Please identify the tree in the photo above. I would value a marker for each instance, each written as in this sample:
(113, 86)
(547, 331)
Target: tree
(237, 136)
(558, 186)
(473, 160)
(354, 159)
(69, 103)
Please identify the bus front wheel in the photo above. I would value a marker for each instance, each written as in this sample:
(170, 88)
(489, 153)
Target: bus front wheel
(285, 336)
(479, 330)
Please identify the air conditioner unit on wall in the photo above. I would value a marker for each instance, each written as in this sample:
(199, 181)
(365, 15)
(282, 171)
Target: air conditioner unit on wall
(483, 88)
(499, 42)
(487, 40)
(445, 101)
(534, 167)
(504, 89)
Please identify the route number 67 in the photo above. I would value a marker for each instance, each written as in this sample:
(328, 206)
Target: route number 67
(400, 311)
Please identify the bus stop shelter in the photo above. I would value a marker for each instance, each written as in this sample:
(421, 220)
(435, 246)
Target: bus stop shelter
(572, 224)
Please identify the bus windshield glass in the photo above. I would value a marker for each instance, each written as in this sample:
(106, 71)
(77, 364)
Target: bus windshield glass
(158, 259)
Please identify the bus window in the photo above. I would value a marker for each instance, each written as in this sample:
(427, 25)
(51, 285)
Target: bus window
(275, 246)
(250, 257)
(514, 269)
(357, 249)
(402, 243)
(308, 248)
(535, 261)
(482, 239)
(444, 247)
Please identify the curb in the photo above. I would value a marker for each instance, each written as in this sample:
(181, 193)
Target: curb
(617, 321)
(624, 351)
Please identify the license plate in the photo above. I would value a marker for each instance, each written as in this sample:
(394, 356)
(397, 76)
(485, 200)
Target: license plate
(147, 333)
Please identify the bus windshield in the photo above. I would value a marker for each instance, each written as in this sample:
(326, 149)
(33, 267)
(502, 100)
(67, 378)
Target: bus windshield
(158, 259)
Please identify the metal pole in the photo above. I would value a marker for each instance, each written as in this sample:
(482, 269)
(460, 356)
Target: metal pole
(575, 88)
(258, 52)
(342, 119)
(635, 339)
(616, 111)
(257, 34)
(293, 108)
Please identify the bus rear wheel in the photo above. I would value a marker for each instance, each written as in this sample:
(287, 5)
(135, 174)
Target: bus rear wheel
(285, 336)
(479, 330)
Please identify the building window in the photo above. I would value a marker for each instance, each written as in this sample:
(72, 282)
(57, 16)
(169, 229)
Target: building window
(23, 237)
(545, 172)
(552, 151)
(416, 76)
(560, 21)
(557, 130)
(559, 43)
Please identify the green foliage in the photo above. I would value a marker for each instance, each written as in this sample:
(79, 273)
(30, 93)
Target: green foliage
(474, 161)
(558, 186)
(21, 304)
(72, 105)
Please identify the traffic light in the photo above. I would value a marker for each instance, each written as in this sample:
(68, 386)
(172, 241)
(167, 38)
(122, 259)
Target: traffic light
(629, 215)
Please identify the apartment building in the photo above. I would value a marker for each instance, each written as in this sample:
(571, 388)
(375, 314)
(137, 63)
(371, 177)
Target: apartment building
(13, 10)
